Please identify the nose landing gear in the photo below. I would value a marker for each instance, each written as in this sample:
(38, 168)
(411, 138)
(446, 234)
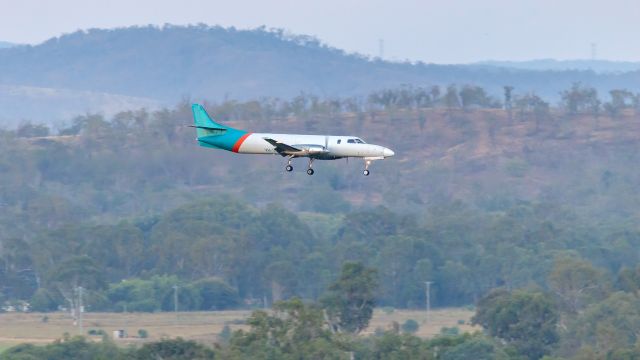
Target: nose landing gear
(366, 167)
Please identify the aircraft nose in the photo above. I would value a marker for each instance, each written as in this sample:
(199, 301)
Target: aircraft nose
(388, 152)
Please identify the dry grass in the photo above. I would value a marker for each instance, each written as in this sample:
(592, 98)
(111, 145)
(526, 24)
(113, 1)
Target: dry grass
(201, 326)
(439, 319)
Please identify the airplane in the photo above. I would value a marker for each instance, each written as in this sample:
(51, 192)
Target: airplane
(315, 147)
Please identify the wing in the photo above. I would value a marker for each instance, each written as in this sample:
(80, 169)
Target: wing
(282, 148)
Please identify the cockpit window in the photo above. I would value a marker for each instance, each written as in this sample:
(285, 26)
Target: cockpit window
(351, 141)
(360, 141)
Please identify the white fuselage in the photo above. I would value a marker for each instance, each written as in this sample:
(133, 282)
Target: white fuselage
(335, 146)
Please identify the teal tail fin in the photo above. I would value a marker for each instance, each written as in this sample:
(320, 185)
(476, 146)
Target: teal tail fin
(204, 125)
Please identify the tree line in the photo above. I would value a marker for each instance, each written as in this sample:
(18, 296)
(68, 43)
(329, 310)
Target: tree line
(581, 316)
(578, 99)
(224, 253)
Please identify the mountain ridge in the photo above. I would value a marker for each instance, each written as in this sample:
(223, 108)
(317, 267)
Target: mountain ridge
(170, 63)
(6, 44)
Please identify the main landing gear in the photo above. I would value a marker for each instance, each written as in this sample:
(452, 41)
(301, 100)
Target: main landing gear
(310, 170)
(289, 168)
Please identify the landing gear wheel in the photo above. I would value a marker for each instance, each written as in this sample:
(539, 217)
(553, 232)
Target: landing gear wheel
(310, 172)
(289, 168)
(366, 173)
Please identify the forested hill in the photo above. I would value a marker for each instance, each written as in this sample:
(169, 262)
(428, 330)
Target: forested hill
(214, 62)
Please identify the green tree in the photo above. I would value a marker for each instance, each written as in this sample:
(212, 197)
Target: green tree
(175, 349)
(75, 272)
(43, 301)
(351, 298)
(577, 283)
(526, 320)
(67, 348)
(580, 99)
(394, 346)
(508, 96)
(628, 280)
(475, 96)
(467, 346)
(610, 324)
(620, 99)
(294, 331)
(215, 294)
(451, 98)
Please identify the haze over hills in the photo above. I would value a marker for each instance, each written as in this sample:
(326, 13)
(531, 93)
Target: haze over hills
(57, 107)
(598, 66)
(167, 64)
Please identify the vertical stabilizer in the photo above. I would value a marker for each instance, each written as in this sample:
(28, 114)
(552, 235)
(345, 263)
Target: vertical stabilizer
(214, 135)
(204, 125)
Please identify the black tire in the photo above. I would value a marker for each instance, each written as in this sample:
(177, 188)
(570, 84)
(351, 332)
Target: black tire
(289, 168)
(366, 173)
(310, 172)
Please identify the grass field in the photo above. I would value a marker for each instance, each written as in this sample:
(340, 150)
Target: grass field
(16, 328)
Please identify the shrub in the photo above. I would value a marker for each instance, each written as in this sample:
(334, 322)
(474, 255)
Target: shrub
(410, 326)
(450, 331)
(225, 334)
(388, 310)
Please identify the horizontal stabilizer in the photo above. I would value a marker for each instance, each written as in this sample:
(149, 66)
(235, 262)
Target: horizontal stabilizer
(207, 127)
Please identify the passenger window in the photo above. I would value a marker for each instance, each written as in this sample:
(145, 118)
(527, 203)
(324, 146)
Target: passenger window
(351, 141)
(339, 141)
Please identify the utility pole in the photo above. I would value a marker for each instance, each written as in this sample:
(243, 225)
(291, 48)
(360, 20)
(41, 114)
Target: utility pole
(175, 300)
(428, 295)
(79, 312)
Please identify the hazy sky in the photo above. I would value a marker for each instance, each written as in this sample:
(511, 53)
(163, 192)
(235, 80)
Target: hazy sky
(442, 31)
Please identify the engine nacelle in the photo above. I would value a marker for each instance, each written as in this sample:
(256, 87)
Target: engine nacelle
(312, 149)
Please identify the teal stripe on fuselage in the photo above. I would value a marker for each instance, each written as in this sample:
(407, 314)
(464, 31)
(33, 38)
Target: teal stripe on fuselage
(226, 141)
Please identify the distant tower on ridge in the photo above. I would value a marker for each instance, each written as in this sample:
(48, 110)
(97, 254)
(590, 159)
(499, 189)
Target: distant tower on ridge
(381, 48)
